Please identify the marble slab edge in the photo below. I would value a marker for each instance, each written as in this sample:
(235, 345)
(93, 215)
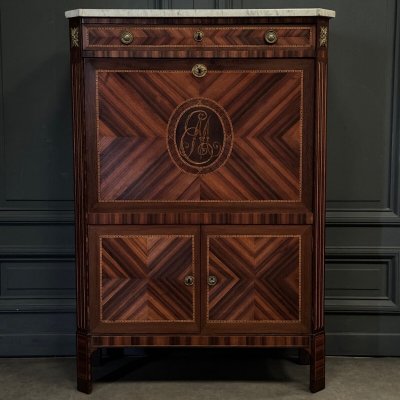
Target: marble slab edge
(126, 13)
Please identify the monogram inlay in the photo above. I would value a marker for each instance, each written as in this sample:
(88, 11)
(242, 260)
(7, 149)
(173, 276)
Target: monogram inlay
(199, 136)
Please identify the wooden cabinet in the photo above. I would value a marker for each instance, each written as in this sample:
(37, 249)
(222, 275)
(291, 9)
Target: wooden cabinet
(199, 182)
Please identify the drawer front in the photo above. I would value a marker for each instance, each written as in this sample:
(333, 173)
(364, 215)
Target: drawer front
(144, 279)
(158, 134)
(124, 37)
(256, 279)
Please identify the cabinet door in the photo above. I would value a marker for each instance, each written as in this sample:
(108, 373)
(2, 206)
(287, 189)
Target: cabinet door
(144, 279)
(256, 279)
(200, 133)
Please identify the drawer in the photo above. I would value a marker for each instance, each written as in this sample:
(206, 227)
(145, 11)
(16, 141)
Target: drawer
(132, 36)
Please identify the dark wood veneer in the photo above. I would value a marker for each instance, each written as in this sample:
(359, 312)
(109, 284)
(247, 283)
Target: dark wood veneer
(262, 275)
(199, 218)
(103, 36)
(144, 222)
(280, 341)
(139, 286)
(270, 164)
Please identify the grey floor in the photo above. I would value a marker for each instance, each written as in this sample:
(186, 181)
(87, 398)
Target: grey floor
(202, 375)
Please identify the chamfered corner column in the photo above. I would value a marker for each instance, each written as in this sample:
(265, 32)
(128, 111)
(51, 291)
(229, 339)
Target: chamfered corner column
(317, 346)
(84, 363)
(317, 362)
(83, 341)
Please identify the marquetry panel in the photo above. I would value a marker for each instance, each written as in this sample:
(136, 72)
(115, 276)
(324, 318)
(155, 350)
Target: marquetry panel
(141, 276)
(260, 276)
(184, 37)
(262, 113)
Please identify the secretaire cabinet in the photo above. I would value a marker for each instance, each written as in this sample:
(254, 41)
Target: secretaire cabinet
(199, 152)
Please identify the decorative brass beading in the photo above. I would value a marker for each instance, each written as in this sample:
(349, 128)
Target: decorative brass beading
(75, 37)
(323, 36)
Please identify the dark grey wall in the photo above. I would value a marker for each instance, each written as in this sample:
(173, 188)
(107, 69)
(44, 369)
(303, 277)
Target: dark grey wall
(36, 219)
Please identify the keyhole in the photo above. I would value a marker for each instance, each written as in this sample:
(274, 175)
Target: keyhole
(198, 36)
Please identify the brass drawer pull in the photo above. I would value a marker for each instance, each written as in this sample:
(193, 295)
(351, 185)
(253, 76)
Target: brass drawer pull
(199, 70)
(212, 280)
(198, 36)
(271, 37)
(126, 37)
(189, 280)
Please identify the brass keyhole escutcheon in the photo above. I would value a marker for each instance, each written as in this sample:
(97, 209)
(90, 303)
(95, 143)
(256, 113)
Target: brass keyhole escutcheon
(198, 36)
(189, 280)
(126, 37)
(271, 37)
(199, 70)
(212, 280)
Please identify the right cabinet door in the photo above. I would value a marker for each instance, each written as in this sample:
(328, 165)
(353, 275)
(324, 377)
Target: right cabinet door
(256, 279)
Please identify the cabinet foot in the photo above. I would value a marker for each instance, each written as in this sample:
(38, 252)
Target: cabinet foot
(317, 363)
(84, 386)
(83, 364)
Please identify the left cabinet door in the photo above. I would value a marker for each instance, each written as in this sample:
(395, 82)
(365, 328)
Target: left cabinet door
(144, 279)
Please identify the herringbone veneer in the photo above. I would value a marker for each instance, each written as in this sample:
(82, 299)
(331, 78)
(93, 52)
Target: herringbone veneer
(258, 278)
(142, 278)
(298, 36)
(265, 109)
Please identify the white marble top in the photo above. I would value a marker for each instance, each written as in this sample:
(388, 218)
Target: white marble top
(283, 12)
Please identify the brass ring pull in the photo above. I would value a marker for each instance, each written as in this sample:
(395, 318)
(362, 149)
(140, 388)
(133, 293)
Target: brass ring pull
(212, 280)
(199, 70)
(126, 37)
(198, 36)
(189, 280)
(271, 37)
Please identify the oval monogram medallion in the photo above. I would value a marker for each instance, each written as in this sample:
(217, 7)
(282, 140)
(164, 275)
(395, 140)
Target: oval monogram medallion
(200, 136)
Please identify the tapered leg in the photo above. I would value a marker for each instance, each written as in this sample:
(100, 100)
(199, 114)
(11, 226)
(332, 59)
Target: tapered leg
(317, 363)
(83, 364)
(303, 357)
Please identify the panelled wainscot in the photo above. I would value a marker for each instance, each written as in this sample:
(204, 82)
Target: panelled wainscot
(200, 179)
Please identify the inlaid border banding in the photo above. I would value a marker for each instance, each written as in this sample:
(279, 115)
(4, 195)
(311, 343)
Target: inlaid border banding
(119, 321)
(292, 321)
(198, 45)
(298, 200)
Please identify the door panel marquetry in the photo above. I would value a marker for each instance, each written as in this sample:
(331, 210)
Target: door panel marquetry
(143, 275)
(258, 277)
(232, 135)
